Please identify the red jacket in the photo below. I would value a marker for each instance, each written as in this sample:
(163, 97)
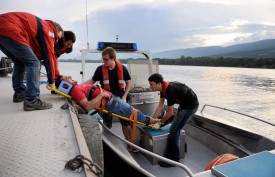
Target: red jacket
(34, 32)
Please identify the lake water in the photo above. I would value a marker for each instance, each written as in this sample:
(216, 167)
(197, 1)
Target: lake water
(249, 91)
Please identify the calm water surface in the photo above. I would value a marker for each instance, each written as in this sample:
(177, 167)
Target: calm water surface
(249, 91)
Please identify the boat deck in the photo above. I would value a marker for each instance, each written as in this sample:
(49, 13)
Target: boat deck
(35, 143)
(196, 158)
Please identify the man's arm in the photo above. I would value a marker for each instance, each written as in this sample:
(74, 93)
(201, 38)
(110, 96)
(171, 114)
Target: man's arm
(94, 103)
(90, 81)
(159, 108)
(96, 77)
(170, 112)
(127, 89)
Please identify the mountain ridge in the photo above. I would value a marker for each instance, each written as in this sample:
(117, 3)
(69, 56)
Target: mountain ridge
(258, 49)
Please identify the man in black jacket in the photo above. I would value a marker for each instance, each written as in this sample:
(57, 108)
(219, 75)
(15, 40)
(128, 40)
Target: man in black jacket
(174, 93)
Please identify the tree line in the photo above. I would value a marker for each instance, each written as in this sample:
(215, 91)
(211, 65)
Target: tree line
(221, 61)
(205, 61)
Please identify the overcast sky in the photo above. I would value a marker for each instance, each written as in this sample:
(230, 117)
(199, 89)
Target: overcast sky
(156, 25)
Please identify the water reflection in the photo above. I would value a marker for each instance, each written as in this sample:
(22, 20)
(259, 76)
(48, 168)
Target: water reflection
(249, 91)
(264, 83)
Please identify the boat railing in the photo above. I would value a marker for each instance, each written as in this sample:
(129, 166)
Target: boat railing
(185, 168)
(205, 105)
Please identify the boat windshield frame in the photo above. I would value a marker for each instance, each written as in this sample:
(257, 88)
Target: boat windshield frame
(84, 53)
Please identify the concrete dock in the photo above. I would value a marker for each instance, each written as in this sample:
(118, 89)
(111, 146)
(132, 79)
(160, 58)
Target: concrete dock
(37, 143)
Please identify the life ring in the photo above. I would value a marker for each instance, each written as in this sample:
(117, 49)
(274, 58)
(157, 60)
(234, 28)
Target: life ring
(221, 159)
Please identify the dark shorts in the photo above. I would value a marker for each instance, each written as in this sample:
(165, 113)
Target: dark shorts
(124, 109)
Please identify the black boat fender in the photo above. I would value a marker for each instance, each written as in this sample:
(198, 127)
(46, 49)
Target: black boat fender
(92, 134)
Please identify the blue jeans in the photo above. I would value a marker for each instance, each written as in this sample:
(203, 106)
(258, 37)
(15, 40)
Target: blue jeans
(124, 109)
(173, 144)
(24, 60)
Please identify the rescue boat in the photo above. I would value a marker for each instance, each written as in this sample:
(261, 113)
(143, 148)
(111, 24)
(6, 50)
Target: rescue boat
(206, 141)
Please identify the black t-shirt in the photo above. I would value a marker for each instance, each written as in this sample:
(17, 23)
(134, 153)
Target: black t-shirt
(114, 86)
(179, 93)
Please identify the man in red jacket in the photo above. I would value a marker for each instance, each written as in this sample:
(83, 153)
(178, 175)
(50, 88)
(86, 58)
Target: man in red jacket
(27, 39)
(66, 44)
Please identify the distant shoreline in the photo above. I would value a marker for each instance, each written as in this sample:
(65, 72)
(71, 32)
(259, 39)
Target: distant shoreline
(264, 63)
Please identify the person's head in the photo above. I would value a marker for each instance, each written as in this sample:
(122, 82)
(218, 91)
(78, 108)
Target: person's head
(108, 55)
(64, 78)
(58, 29)
(156, 81)
(69, 39)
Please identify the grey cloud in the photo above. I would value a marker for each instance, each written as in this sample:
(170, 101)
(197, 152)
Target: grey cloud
(259, 35)
(156, 27)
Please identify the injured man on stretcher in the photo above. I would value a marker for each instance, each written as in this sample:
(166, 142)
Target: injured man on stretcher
(90, 97)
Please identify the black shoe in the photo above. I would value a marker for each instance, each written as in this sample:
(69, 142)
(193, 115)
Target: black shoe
(132, 149)
(18, 97)
(165, 165)
(36, 104)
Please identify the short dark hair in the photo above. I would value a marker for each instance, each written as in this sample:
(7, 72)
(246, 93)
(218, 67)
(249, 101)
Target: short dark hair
(69, 35)
(156, 77)
(110, 51)
(58, 81)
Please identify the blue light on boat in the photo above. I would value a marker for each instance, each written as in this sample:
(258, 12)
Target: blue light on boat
(117, 46)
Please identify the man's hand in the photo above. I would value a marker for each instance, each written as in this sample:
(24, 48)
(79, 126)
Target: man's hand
(156, 126)
(104, 95)
(50, 86)
(124, 98)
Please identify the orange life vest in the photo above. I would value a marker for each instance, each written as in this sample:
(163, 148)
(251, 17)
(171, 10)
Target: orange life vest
(106, 82)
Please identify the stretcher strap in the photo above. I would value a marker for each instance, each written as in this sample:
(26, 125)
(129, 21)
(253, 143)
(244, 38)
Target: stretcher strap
(123, 117)
(111, 108)
(133, 117)
(103, 103)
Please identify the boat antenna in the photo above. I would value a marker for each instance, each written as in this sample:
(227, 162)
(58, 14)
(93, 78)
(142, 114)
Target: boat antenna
(116, 38)
(87, 25)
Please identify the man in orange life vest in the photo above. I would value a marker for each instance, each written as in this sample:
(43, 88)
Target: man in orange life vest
(174, 93)
(26, 39)
(113, 76)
